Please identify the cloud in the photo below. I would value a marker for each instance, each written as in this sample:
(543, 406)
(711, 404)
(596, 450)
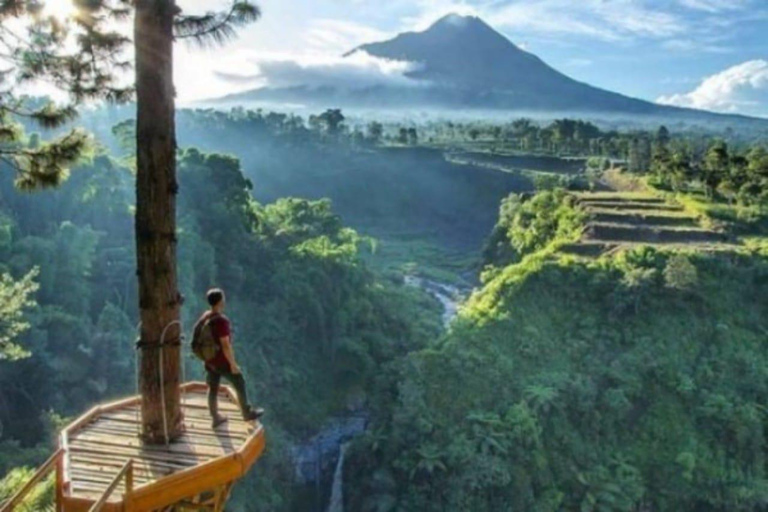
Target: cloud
(702, 44)
(336, 36)
(740, 89)
(356, 71)
(236, 78)
(715, 6)
(604, 20)
(611, 20)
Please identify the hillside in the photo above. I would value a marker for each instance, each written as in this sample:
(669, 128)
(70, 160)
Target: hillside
(633, 381)
(463, 63)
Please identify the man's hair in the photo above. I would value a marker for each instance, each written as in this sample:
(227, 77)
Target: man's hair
(214, 296)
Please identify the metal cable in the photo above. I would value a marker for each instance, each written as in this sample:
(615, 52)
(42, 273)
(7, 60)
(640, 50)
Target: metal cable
(162, 379)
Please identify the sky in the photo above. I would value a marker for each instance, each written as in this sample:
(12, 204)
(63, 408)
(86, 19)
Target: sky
(710, 54)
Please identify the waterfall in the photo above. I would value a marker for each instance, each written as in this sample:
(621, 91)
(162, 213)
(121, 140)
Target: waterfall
(336, 503)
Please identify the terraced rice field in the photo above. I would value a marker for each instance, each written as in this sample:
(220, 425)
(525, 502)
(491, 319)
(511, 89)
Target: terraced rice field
(625, 219)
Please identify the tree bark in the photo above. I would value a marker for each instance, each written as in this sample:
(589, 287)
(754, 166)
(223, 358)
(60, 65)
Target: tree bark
(156, 188)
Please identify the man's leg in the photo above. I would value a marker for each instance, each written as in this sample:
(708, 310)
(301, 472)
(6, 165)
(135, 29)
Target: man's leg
(213, 379)
(238, 382)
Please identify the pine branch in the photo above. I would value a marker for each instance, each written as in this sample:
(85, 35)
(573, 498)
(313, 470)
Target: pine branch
(51, 116)
(216, 28)
(46, 166)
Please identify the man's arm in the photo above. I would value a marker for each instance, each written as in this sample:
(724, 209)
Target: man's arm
(226, 346)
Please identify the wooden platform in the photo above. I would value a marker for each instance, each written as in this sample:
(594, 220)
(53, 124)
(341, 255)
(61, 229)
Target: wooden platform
(100, 443)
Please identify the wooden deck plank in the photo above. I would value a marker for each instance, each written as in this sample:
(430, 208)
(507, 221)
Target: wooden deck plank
(190, 431)
(201, 402)
(201, 422)
(194, 428)
(119, 459)
(112, 468)
(165, 465)
(177, 452)
(106, 477)
(130, 452)
(182, 446)
(114, 465)
(205, 439)
(95, 490)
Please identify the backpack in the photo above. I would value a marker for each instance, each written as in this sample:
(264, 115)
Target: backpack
(204, 343)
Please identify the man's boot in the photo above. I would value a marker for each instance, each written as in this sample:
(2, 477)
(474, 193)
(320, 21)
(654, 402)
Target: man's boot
(252, 414)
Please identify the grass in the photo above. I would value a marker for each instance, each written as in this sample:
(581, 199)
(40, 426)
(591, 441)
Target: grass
(619, 180)
(743, 220)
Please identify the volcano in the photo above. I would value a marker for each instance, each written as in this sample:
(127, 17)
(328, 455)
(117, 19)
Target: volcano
(462, 63)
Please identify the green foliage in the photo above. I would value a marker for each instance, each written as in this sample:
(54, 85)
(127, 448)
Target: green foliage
(619, 384)
(40, 499)
(680, 273)
(721, 173)
(15, 298)
(215, 28)
(80, 56)
(527, 225)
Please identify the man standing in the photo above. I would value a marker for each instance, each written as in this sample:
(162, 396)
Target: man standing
(223, 363)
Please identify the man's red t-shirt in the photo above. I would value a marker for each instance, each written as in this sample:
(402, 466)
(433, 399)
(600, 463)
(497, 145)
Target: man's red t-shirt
(221, 329)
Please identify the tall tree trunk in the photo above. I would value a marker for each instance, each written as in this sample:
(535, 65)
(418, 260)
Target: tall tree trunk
(156, 188)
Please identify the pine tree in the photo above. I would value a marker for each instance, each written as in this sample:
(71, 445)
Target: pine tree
(83, 56)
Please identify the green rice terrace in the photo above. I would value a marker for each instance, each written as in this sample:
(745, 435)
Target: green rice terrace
(625, 219)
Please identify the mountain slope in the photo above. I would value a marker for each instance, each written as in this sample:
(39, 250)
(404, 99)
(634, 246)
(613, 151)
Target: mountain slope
(460, 62)
(465, 52)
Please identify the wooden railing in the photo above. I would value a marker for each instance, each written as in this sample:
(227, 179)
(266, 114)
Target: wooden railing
(39, 475)
(127, 473)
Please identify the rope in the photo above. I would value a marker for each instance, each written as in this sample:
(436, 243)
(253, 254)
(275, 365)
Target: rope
(141, 345)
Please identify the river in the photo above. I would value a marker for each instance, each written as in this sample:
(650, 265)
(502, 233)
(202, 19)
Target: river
(449, 296)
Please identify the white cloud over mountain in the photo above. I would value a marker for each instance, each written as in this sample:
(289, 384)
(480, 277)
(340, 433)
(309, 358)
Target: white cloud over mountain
(356, 71)
(739, 89)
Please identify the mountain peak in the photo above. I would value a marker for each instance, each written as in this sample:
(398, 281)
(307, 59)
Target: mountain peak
(452, 35)
(458, 21)
(457, 49)
(464, 25)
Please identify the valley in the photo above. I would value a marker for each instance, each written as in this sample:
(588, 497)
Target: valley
(457, 279)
